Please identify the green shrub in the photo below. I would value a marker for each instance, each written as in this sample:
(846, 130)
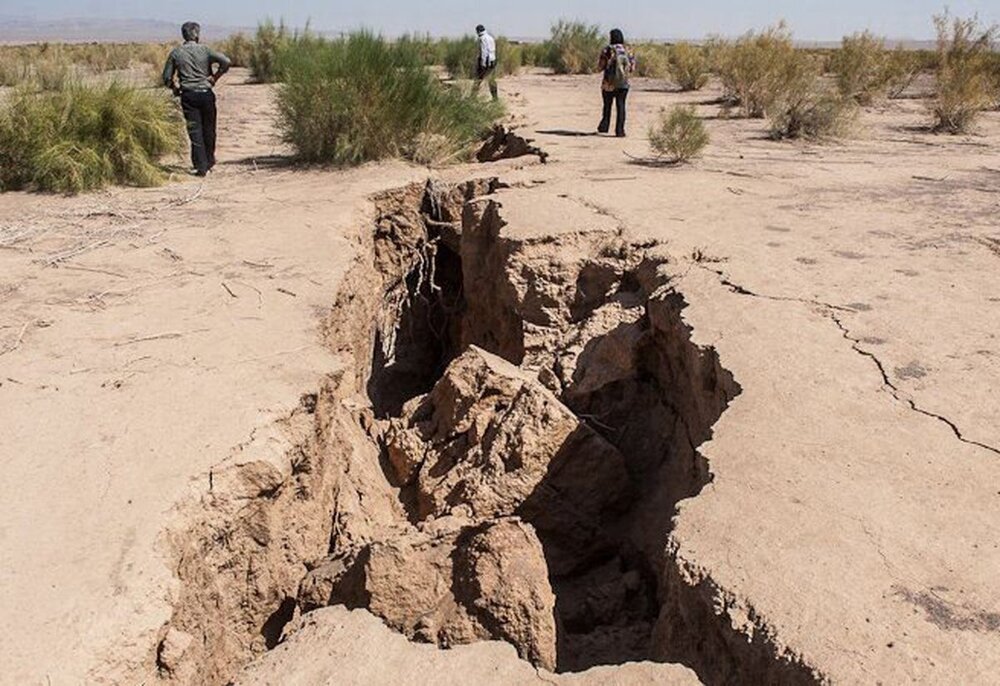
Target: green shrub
(53, 73)
(427, 50)
(268, 43)
(811, 112)
(238, 48)
(85, 137)
(460, 57)
(963, 79)
(994, 77)
(799, 104)
(536, 54)
(510, 57)
(688, 66)
(902, 67)
(361, 98)
(575, 47)
(755, 67)
(861, 67)
(679, 134)
(13, 70)
(652, 60)
(717, 49)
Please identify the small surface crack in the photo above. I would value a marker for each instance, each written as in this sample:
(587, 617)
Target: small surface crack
(898, 394)
(831, 313)
(742, 290)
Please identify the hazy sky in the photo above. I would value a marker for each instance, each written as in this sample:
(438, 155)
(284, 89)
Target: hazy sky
(810, 19)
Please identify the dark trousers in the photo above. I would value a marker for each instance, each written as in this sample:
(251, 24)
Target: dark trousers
(488, 74)
(618, 98)
(200, 114)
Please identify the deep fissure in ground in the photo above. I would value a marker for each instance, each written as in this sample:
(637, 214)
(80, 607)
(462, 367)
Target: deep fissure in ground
(592, 320)
(502, 460)
(606, 592)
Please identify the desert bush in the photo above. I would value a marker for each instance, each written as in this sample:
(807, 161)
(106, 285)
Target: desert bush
(754, 68)
(679, 134)
(536, 54)
(238, 48)
(963, 79)
(902, 67)
(85, 137)
(575, 47)
(152, 54)
(265, 54)
(688, 66)
(994, 78)
(652, 60)
(14, 70)
(811, 111)
(53, 73)
(428, 50)
(510, 57)
(716, 49)
(799, 103)
(361, 98)
(460, 56)
(861, 67)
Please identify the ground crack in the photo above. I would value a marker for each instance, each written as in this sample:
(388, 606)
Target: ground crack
(898, 394)
(831, 313)
(741, 290)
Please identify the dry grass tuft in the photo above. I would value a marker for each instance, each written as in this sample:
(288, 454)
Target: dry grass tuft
(85, 137)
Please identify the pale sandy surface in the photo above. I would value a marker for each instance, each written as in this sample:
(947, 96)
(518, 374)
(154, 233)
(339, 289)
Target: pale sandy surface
(856, 500)
(354, 648)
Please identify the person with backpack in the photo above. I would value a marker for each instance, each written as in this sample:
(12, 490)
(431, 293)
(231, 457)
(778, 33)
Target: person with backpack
(192, 66)
(617, 62)
(486, 65)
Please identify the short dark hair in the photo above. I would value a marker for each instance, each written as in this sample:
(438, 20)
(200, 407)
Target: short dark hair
(617, 37)
(480, 29)
(191, 30)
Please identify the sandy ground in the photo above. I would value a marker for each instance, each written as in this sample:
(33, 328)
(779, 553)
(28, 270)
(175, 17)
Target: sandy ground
(147, 335)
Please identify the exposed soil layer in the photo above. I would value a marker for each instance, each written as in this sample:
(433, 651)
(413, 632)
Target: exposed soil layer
(503, 459)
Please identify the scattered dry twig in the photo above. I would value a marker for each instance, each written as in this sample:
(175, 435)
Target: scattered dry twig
(81, 268)
(229, 290)
(154, 337)
(11, 347)
(286, 292)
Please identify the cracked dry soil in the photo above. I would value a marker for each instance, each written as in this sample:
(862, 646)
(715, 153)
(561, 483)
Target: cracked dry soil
(501, 458)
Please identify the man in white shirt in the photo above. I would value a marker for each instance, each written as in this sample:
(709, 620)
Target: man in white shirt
(486, 66)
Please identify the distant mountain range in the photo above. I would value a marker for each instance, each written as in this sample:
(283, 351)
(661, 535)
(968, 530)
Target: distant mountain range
(25, 30)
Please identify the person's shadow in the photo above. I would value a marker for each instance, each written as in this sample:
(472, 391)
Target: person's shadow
(566, 132)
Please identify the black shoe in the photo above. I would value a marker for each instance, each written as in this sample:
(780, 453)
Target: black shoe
(620, 135)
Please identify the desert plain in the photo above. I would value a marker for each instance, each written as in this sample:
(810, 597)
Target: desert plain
(777, 365)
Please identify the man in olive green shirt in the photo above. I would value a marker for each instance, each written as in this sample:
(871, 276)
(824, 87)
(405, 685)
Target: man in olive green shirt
(188, 72)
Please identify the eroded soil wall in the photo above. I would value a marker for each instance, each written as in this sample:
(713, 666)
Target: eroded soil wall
(502, 457)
